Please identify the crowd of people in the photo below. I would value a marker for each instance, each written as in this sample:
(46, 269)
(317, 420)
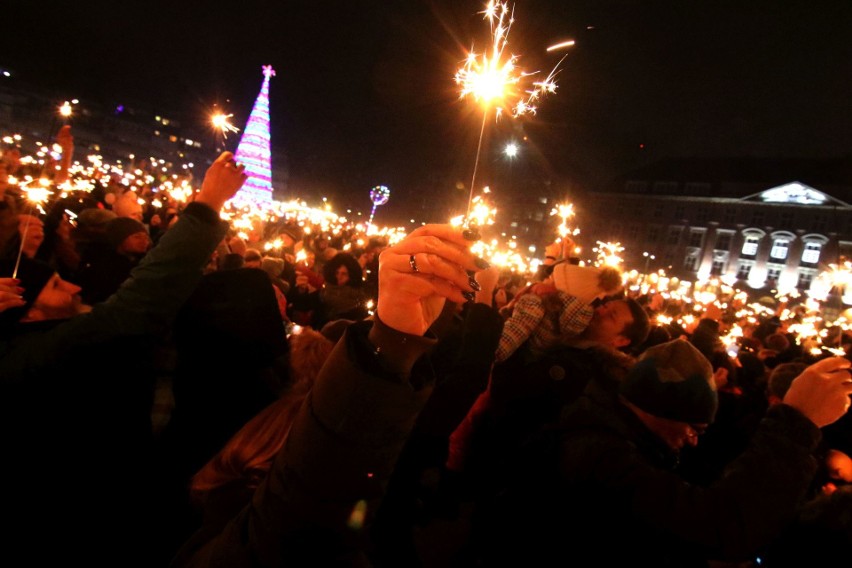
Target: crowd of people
(175, 393)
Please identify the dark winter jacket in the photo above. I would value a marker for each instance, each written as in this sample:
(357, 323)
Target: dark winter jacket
(314, 508)
(75, 407)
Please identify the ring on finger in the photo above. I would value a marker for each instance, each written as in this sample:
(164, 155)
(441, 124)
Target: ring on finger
(413, 263)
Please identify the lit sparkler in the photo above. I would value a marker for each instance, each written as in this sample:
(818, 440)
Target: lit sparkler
(222, 123)
(494, 80)
(609, 254)
(565, 211)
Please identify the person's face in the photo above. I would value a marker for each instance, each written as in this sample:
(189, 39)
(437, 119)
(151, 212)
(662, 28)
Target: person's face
(137, 243)
(609, 322)
(676, 434)
(673, 433)
(301, 281)
(839, 466)
(342, 275)
(59, 299)
(252, 263)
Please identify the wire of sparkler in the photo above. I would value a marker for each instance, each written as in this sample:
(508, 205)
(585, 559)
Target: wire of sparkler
(475, 167)
(23, 240)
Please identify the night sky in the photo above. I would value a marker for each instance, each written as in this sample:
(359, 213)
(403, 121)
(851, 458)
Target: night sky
(364, 91)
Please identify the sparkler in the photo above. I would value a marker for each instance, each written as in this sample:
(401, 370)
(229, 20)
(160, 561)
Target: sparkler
(565, 211)
(494, 80)
(35, 196)
(608, 254)
(222, 123)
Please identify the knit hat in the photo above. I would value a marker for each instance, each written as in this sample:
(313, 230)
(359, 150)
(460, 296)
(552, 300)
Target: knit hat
(93, 218)
(33, 274)
(673, 380)
(292, 232)
(272, 266)
(586, 282)
(122, 227)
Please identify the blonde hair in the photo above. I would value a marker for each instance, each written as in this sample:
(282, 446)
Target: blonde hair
(249, 453)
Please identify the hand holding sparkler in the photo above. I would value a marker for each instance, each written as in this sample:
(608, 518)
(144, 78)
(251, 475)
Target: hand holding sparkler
(66, 143)
(418, 274)
(10, 294)
(822, 391)
(221, 182)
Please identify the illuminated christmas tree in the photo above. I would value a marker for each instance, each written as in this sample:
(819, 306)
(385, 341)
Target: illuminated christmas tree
(254, 150)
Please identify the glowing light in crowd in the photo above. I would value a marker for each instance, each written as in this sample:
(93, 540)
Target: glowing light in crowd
(565, 211)
(609, 254)
(65, 109)
(379, 195)
(838, 277)
(222, 123)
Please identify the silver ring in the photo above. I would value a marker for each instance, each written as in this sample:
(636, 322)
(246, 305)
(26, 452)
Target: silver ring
(413, 264)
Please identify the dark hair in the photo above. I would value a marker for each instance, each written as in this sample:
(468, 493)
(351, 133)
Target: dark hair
(636, 331)
(329, 270)
(782, 377)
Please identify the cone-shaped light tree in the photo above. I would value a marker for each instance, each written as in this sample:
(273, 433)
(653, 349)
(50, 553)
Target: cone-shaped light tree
(254, 149)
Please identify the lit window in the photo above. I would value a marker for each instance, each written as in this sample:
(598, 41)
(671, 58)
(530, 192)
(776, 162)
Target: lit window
(779, 249)
(744, 270)
(750, 246)
(811, 253)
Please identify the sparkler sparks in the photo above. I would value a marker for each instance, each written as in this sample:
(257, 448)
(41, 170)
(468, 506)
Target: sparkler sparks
(222, 123)
(494, 80)
(565, 211)
(609, 254)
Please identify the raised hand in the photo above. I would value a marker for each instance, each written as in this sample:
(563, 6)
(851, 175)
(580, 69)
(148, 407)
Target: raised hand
(10, 294)
(65, 139)
(421, 272)
(221, 182)
(822, 391)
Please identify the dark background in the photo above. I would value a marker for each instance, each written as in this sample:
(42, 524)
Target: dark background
(364, 92)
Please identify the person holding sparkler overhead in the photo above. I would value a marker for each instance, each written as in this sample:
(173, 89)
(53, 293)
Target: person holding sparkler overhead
(315, 505)
(77, 394)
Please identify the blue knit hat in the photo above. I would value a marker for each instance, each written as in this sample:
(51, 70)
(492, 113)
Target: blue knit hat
(673, 380)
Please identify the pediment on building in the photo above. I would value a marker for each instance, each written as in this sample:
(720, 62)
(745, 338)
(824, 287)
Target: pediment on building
(794, 193)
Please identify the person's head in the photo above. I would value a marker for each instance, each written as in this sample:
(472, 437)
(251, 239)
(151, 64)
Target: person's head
(620, 324)
(672, 391)
(248, 455)
(46, 295)
(777, 341)
(252, 258)
(127, 205)
(586, 282)
(780, 380)
(93, 221)
(343, 270)
(127, 236)
(289, 237)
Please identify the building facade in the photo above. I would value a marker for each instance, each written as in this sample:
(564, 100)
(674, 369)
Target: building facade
(764, 234)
